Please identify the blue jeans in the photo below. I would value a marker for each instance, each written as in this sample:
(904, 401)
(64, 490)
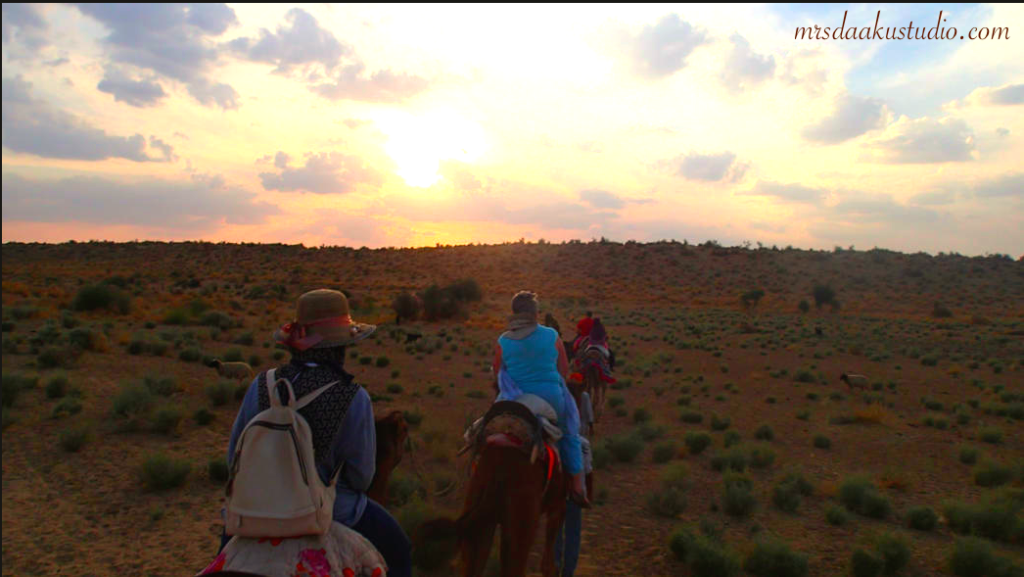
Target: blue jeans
(570, 542)
(381, 529)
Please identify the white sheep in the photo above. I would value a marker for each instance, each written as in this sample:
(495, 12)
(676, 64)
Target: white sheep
(232, 370)
(859, 381)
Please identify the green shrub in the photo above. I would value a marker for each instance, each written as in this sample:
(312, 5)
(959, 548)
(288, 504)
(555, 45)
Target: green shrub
(719, 424)
(166, 419)
(735, 459)
(992, 474)
(395, 388)
(101, 296)
(217, 469)
(922, 518)
(160, 472)
(992, 435)
(692, 417)
(402, 488)
(66, 407)
(859, 494)
(615, 401)
(641, 415)
(865, 564)
(974, 557)
(190, 355)
(163, 386)
(764, 433)
(218, 320)
(132, 400)
(773, 558)
(997, 516)
(57, 386)
(968, 455)
(787, 492)
(382, 362)
(836, 516)
(55, 357)
(413, 418)
(625, 447)
(664, 451)
(704, 556)
(894, 550)
(73, 439)
(761, 456)
(203, 417)
(822, 442)
(737, 495)
(601, 455)
(220, 392)
(697, 441)
(670, 500)
(650, 431)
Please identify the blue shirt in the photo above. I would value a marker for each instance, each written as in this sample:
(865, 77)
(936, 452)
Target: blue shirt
(355, 445)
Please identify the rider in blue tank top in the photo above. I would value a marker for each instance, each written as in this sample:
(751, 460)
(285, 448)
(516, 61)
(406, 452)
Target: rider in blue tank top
(534, 357)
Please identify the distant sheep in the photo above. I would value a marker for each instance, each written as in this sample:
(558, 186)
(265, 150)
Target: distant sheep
(232, 370)
(858, 381)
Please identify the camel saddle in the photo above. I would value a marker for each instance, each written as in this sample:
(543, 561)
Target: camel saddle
(527, 422)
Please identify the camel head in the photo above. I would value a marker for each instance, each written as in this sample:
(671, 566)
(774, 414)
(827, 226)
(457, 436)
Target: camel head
(392, 437)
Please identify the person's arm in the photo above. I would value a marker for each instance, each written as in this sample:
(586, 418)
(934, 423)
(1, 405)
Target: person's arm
(496, 366)
(563, 359)
(355, 444)
(250, 406)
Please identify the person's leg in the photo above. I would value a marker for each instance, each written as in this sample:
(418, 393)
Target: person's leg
(381, 529)
(559, 546)
(573, 529)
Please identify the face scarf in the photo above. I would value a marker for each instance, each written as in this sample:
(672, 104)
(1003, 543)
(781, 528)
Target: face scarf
(521, 325)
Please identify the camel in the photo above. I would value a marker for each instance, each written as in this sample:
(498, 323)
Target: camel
(392, 435)
(509, 489)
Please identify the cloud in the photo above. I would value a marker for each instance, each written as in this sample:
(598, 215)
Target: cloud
(744, 69)
(661, 49)
(24, 30)
(924, 141)
(852, 117)
(323, 173)
(354, 123)
(933, 198)
(138, 93)
(1007, 95)
(602, 199)
(175, 41)
(381, 86)
(300, 41)
(807, 69)
(710, 167)
(881, 208)
(34, 127)
(192, 205)
(1002, 132)
(789, 192)
(1007, 185)
(165, 149)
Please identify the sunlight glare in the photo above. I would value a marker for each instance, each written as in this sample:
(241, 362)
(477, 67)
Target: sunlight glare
(418, 144)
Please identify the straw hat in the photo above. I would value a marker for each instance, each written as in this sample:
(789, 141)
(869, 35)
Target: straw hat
(322, 320)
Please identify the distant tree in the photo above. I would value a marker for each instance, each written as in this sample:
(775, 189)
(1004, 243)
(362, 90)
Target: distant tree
(751, 298)
(823, 295)
(406, 306)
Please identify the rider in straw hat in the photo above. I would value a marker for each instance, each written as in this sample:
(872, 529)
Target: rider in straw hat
(341, 418)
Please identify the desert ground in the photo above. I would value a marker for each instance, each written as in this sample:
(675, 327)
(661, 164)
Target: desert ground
(115, 431)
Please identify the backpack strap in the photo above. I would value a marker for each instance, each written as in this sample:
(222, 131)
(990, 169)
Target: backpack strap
(275, 401)
(309, 398)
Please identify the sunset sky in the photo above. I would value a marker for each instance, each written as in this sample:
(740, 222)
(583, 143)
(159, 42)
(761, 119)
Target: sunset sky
(414, 125)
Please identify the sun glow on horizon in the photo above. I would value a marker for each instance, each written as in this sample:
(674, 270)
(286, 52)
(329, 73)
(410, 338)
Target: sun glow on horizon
(418, 144)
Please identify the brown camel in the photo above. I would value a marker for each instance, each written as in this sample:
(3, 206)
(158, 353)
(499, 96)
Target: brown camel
(392, 434)
(505, 489)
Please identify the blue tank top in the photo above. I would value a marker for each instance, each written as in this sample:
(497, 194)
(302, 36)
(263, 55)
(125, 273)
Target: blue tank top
(532, 361)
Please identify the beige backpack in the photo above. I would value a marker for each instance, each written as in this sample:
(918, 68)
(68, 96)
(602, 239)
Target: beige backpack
(274, 489)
